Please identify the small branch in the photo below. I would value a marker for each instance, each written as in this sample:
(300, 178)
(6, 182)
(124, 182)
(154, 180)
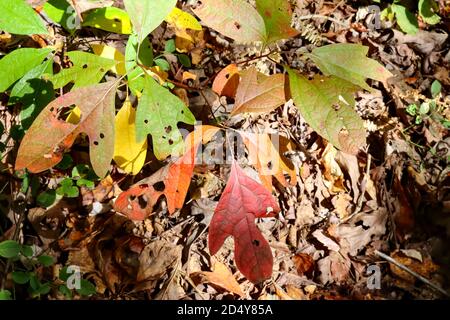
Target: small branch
(319, 16)
(415, 274)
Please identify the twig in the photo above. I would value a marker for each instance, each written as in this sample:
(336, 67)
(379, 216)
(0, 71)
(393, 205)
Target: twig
(415, 274)
(319, 16)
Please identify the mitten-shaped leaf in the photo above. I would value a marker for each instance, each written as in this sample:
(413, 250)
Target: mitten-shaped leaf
(50, 135)
(242, 201)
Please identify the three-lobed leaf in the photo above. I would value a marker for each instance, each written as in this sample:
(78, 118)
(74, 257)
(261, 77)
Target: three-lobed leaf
(327, 104)
(18, 17)
(159, 112)
(50, 135)
(242, 201)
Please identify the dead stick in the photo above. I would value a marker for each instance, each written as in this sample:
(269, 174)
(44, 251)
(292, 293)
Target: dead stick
(415, 274)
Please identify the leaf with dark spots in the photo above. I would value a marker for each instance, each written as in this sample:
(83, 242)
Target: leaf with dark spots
(49, 136)
(242, 201)
(172, 181)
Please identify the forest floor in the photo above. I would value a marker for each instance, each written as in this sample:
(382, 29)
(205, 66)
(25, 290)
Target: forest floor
(344, 212)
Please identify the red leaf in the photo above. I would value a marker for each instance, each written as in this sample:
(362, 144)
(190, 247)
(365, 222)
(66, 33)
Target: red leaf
(242, 201)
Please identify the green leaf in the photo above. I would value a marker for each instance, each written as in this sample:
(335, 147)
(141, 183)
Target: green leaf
(17, 63)
(44, 288)
(327, 104)
(158, 114)
(5, 295)
(147, 15)
(86, 183)
(405, 19)
(46, 198)
(87, 288)
(20, 277)
(427, 9)
(46, 261)
(277, 16)
(436, 88)
(236, 19)
(9, 249)
(110, 19)
(412, 109)
(18, 17)
(67, 189)
(170, 46)
(33, 92)
(61, 12)
(88, 69)
(163, 64)
(349, 62)
(27, 251)
(135, 79)
(184, 60)
(65, 291)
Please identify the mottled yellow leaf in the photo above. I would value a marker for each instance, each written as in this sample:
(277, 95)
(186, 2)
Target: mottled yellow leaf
(128, 154)
(108, 52)
(182, 20)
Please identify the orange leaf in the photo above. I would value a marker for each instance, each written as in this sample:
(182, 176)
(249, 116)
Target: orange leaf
(220, 276)
(267, 160)
(172, 181)
(227, 81)
(259, 93)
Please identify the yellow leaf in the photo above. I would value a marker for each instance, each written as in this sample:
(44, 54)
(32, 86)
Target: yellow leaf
(128, 154)
(108, 52)
(182, 20)
(158, 74)
(74, 116)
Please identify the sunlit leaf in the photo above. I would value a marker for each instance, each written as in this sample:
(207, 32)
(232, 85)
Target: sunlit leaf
(111, 53)
(110, 19)
(17, 17)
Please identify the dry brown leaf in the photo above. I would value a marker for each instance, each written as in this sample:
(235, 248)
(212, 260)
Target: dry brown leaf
(220, 276)
(157, 258)
(259, 93)
(227, 81)
(333, 175)
(265, 157)
(425, 268)
(304, 263)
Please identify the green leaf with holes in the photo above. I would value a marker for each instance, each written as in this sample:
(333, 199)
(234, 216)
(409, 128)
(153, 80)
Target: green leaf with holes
(159, 112)
(87, 69)
(110, 19)
(327, 104)
(17, 63)
(349, 62)
(17, 17)
(147, 15)
(33, 92)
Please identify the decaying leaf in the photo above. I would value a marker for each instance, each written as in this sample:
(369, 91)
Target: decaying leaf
(242, 201)
(327, 104)
(220, 276)
(267, 159)
(259, 93)
(49, 136)
(172, 181)
(227, 81)
(236, 19)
